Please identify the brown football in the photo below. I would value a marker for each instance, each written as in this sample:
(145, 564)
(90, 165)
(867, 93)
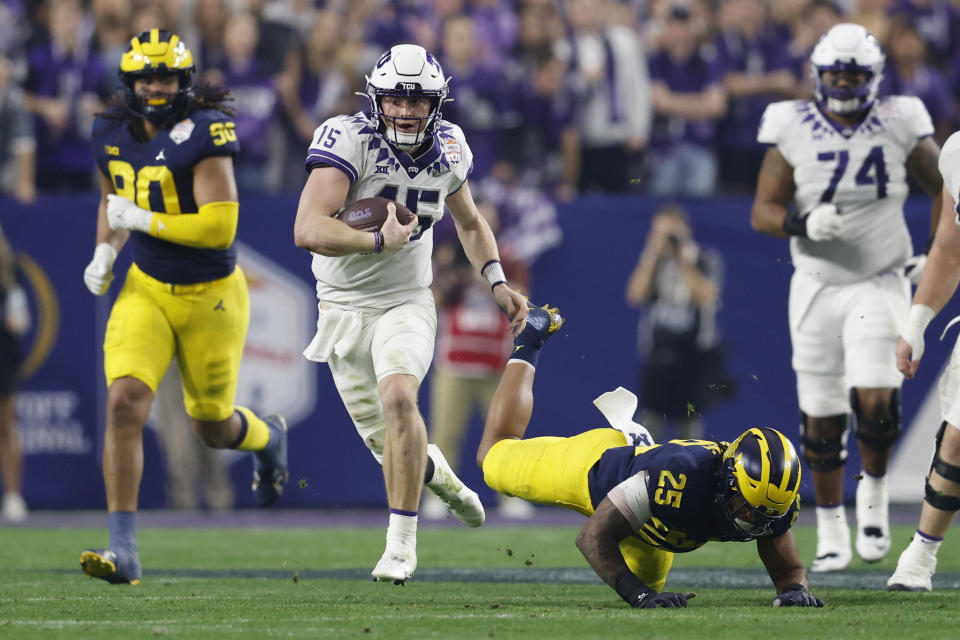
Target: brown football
(369, 214)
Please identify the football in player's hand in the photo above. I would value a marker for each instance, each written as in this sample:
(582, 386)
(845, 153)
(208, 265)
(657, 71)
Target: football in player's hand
(369, 214)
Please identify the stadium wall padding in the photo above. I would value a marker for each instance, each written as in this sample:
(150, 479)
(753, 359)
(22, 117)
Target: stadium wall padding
(60, 407)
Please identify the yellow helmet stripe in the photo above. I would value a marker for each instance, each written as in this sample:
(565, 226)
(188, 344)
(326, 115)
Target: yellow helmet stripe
(156, 54)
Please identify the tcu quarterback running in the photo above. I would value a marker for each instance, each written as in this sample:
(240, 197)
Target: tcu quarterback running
(377, 320)
(842, 159)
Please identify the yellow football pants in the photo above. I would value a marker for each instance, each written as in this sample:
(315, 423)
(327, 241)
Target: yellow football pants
(204, 325)
(551, 470)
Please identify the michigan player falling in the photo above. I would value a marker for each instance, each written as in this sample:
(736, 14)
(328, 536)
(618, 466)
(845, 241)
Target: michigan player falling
(377, 320)
(166, 175)
(644, 501)
(834, 180)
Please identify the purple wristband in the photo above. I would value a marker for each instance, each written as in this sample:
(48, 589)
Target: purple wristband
(377, 241)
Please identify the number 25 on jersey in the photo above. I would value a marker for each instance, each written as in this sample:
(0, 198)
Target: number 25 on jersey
(670, 497)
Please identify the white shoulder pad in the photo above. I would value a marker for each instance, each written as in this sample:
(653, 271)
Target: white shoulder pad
(776, 121)
(916, 117)
(455, 150)
(632, 500)
(338, 142)
(950, 165)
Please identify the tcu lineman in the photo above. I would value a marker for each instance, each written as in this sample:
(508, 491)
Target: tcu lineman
(377, 320)
(942, 491)
(843, 159)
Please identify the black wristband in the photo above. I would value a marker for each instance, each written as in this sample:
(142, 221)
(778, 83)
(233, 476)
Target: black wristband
(795, 224)
(632, 589)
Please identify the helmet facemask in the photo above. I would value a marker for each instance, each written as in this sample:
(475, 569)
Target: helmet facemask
(745, 518)
(856, 92)
(158, 107)
(390, 126)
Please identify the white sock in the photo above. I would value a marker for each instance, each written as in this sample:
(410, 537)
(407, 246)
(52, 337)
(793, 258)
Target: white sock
(927, 543)
(832, 517)
(402, 530)
(872, 500)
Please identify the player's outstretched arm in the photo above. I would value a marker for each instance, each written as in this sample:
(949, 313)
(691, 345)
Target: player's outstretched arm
(599, 542)
(315, 228)
(480, 245)
(782, 560)
(775, 189)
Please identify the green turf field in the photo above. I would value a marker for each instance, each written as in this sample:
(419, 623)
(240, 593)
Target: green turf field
(494, 582)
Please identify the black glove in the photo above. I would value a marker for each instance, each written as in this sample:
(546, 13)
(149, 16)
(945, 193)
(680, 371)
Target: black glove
(639, 596)
(796, 595)
(663, 599)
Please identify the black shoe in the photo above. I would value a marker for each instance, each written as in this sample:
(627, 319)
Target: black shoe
(270, 472)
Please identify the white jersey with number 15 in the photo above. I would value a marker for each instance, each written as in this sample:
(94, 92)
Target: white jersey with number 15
(375, 168)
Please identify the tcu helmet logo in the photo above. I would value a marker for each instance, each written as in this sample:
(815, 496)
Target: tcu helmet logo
(408, 86)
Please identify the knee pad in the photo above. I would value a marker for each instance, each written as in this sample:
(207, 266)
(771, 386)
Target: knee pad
(877, 434)
(945, 470)
(824, 453)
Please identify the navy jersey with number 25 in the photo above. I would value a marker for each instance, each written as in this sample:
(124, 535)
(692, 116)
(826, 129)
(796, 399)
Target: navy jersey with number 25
(681, 485)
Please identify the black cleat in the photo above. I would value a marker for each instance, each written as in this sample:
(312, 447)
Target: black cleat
(542, 322)
(107, 564)
(270, 473)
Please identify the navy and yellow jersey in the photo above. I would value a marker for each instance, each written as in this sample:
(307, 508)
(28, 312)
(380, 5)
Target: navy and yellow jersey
(681, 488)
(158, 176)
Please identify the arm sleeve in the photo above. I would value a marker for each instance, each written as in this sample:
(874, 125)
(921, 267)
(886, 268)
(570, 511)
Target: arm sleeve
(214, 226)
(631, 499)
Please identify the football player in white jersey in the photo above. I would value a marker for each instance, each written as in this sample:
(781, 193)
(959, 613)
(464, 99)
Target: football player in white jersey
(941, 502)
(377, 320)
(834, 181)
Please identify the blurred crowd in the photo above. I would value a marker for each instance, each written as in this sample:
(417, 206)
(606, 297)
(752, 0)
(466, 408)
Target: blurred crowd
(658, 97)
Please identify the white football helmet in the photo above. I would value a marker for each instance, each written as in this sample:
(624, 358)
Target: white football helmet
(406, 70)
(847, 47)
